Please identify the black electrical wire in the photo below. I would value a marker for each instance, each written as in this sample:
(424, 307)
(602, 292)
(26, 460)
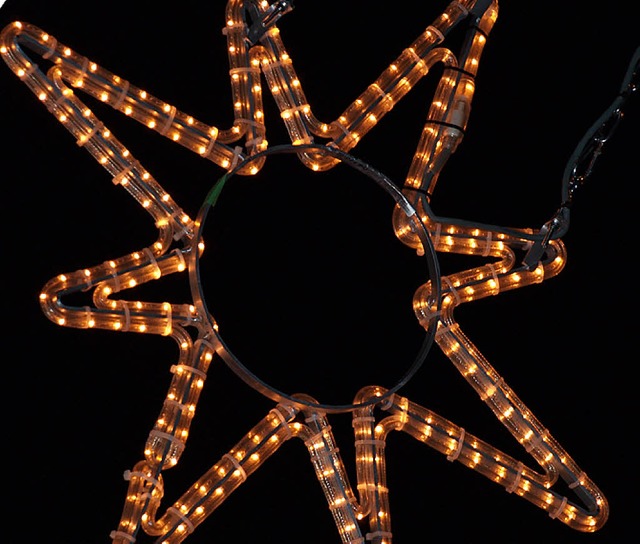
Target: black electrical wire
(433, 270)
(587, 150)
(600, 132)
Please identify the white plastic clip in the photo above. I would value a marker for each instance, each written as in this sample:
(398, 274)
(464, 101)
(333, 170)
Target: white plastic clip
(182, 367)
(379, 534)
(128, 474)
(85, 66)
(244, 70)
(375, 87)
(341, 127)
(84, 138)
(52, 44)
(558, 511)
(453, 456)
(494, 275)
(236, 156)
(121, 534)
(416, 58)
(371, 442)
(578, 481)
(516, 481)
(168, 329)
(452, 289)
(170, 117)
(87, 313)
(487, 247)
(123, 94)
(176, 404)
(178, 253)
(387, 404)
(183, 517)
(121, 176)
(462, 8)
(283, 421)
(211, 142)
(169, 437)
(367, 419)
(127, 316)
(436, 235)
(433, 30)
(152, 261)
(236, 464)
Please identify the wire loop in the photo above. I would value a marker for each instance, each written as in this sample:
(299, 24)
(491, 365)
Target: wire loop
(227, 355)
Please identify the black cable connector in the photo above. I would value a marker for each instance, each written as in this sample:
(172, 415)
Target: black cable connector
(266, 20)
(554, 228)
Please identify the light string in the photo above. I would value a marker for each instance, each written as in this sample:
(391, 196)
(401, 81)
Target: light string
(256, 53)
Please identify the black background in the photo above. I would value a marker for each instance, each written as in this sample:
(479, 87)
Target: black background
(308, 281)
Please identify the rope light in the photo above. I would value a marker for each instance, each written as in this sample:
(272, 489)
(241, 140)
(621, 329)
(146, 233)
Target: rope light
(514, 258)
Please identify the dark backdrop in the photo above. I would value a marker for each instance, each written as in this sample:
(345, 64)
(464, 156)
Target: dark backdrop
(308, 305)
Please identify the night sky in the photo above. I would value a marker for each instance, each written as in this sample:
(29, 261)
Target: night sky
(311, 285)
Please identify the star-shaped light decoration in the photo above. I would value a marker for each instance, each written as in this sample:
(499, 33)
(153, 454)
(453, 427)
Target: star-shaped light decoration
(512, 258)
